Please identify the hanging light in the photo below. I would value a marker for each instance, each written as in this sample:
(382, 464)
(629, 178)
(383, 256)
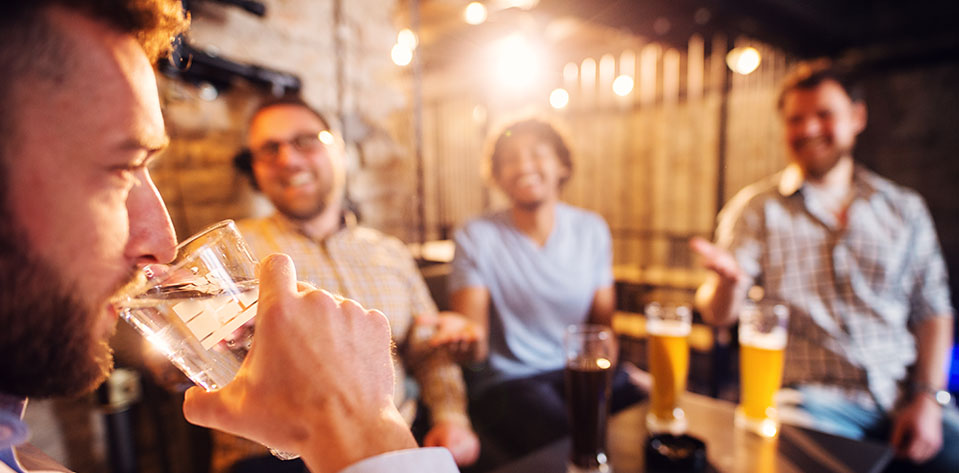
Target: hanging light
(401, 54)
(559, 98)
(517, 63)
(743, 60)
(475, 13)
(407, 38)
(623, 85)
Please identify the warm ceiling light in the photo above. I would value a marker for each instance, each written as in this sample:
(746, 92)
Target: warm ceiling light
(559, 98)
(475, 13)
(517, 62)
(743, 60)
(623, 85)
(401, 55)
(407, 38)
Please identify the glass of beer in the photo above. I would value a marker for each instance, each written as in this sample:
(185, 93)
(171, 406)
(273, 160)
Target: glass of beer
(590, 359)
(668, 329)
(762, 340)
(198, 310)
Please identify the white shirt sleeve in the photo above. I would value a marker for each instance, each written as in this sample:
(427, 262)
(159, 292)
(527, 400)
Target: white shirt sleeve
(414, 460)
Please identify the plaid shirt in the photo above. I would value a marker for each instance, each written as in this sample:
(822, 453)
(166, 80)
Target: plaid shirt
(854, 291)
(378, 272)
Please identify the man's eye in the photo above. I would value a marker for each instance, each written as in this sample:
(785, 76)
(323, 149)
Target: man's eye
(305, 142)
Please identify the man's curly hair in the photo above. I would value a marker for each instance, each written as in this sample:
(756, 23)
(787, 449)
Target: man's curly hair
(155, 23)
(32, 49)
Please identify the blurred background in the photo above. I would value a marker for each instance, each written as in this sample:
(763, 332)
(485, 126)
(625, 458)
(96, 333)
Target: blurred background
(669, 106)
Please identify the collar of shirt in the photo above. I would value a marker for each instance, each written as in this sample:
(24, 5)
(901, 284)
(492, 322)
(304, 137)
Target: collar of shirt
(13, 431)
(348, 221)
(792, 180)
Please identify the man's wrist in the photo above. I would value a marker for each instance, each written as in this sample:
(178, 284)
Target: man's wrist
(937, 395)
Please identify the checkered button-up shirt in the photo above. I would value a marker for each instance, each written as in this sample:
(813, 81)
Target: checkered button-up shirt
(854, 290)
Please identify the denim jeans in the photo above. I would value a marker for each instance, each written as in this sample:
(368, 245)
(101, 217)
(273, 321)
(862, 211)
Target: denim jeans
(839, 412)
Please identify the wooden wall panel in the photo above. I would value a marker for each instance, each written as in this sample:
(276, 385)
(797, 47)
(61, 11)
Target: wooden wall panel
(647, 162)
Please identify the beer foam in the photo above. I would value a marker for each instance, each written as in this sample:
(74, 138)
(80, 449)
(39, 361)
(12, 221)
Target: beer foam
(775, 340)
(667, 328)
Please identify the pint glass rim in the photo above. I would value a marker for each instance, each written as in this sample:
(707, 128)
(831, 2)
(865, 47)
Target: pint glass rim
(602, 331)
(144, 283)
(229, 223)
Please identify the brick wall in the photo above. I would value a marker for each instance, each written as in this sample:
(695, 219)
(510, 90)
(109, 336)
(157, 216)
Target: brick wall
(340, 51)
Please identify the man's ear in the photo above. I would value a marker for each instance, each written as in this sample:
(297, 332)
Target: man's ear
(860, 115)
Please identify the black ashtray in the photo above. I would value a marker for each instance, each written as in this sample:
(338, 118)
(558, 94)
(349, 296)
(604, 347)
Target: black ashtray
(675, 453)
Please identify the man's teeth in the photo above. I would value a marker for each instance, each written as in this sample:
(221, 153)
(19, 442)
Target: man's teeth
(300, 179)
(528, 179)
(814, 142)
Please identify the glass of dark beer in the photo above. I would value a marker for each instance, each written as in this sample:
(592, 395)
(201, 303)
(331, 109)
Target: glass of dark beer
(590, 359)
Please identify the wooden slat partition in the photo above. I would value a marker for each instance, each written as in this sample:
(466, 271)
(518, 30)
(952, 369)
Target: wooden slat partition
(648, 162)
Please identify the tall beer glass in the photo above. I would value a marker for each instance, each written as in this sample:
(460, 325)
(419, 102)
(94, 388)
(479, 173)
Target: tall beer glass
(198, 310)
(668, 328)
(590, 359)
(762, 341)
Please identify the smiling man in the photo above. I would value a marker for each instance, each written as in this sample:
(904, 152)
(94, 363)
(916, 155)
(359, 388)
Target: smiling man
(857, 260)
(79, 123)
(299, 164)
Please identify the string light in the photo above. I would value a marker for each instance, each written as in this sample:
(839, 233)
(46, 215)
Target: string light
(475, 13)
(559, 98)
(743, 60)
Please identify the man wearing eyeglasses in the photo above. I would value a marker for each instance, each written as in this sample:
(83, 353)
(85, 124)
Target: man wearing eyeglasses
(298, 163)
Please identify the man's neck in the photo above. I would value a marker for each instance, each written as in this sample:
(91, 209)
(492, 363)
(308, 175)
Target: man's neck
(324, 224)
(836, 185)
(535, 222)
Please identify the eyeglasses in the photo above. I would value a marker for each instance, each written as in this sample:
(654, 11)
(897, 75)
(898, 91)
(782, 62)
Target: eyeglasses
(269, 151)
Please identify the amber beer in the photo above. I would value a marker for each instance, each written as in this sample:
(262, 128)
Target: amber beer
(764, 365)
(668, 347)
(762, 340)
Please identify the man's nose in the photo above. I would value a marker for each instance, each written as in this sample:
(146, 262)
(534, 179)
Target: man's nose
(810, 126)
(524, 161)
(152, 238)
(287, 155)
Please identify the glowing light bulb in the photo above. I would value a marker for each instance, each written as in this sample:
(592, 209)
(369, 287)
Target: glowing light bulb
(559, 98)
(407, 38)
(401, 55)
(517, 62)
(475, 13)
(743, 60)
(623, 85)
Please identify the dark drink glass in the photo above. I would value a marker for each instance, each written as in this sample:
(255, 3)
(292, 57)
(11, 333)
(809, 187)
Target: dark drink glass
(590, 358)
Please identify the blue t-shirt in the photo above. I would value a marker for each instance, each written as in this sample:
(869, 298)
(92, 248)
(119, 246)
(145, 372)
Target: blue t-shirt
(535, 292)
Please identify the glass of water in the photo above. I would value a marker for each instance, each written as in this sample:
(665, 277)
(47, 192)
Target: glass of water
(198, 310)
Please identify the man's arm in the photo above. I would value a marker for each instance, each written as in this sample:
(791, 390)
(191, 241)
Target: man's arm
(473, 303)
(917, 428)
(604, 304)
(719, 299)
(318, 380)
(444, 394)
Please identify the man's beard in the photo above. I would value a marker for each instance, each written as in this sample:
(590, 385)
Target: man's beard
(818, 167)
(303, 214)
(48, 341)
